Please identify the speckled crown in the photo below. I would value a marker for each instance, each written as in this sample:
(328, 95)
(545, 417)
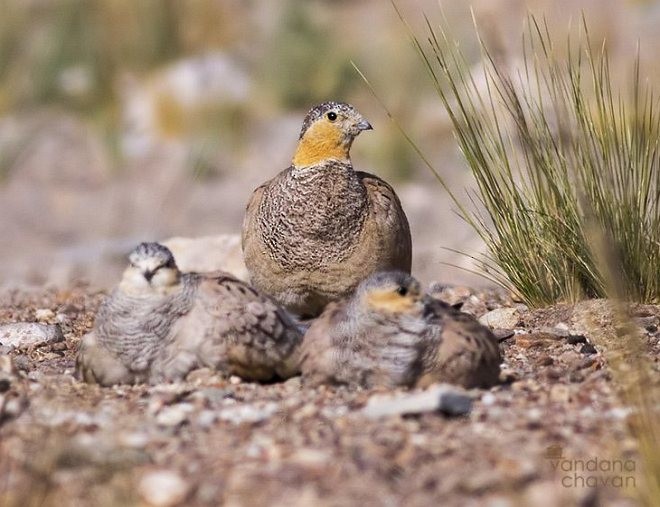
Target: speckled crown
(318, 111)
(385, 279)
(152, 250)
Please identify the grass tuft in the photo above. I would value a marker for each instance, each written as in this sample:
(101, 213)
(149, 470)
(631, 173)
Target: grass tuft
(556, 152)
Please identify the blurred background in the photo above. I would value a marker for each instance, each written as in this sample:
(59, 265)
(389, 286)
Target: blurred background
(123, 121)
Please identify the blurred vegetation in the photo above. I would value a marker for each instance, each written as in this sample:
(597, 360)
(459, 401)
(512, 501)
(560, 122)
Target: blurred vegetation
(77, 54)
(305, 63)
(556, 153)
(568, 175)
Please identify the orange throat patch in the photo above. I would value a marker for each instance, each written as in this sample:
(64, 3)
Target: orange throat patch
(321, 142)
(386, 300)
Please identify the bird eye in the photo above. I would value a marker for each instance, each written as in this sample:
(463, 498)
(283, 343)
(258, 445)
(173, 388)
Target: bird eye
(402, 291)
(332, 116)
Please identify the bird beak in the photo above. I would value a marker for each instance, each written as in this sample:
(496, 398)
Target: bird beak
(364, 125)
(149, 275)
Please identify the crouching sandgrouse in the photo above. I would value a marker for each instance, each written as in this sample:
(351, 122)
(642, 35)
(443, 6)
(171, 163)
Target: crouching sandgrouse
(159, 324)
(391, 334)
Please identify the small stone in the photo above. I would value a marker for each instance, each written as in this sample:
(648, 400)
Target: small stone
(163, 488)
(501, 318)
(134, 440)
(309, 457)
(441, 398)
(174, 415)
(574, 339)
(529, 341)
(200, 375)
(620, 413)
(21, 362)
(503, 334)
(481, 480)
(587, 362)
(206, 418)
(544, 494)
(23, 335)
(488, 399)
(508, 376)
(534, 418)
(560, 393)
(545, 360)
(235, 380)
(588, 348)
(248, 413)
(648, 323)
(214, 395)
(570, 358)
(44, 314)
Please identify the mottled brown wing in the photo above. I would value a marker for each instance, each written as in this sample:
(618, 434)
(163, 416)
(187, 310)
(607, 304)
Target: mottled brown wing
(248, 234)
(461, 350)
(320, 351)
(391, 221)
(245, 332)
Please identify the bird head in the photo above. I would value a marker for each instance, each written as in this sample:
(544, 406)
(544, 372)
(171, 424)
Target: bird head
(391, 292)
(327, 133)
(152, 268)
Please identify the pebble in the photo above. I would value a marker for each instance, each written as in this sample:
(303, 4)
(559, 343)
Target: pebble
(442, 398)
(501, 318)
(560, 393)
(545, 360)
(22, 335)
(588, 348)
(503, 334)
(174, 415)
(544, 494)
(163, 488)
(134, 440)
(248, 413)
(206, 418)
(44, 314)
(488, 399)
(574, 339)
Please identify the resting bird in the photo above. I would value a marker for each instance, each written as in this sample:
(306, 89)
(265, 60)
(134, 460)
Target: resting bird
(391, 334)
(159, 324)
(318, 228)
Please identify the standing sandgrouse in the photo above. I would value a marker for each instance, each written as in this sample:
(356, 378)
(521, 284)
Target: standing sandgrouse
(317, 229)
(159, 324)
(391, 334)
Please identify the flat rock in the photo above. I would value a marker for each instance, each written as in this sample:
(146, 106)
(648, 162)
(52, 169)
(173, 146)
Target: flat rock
(239, 414)
(163, 488)
(209, 253)
(501, 318)
(22, 335)
(442, 398)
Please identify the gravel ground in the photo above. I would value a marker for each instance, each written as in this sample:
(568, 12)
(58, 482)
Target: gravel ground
(213, 441)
